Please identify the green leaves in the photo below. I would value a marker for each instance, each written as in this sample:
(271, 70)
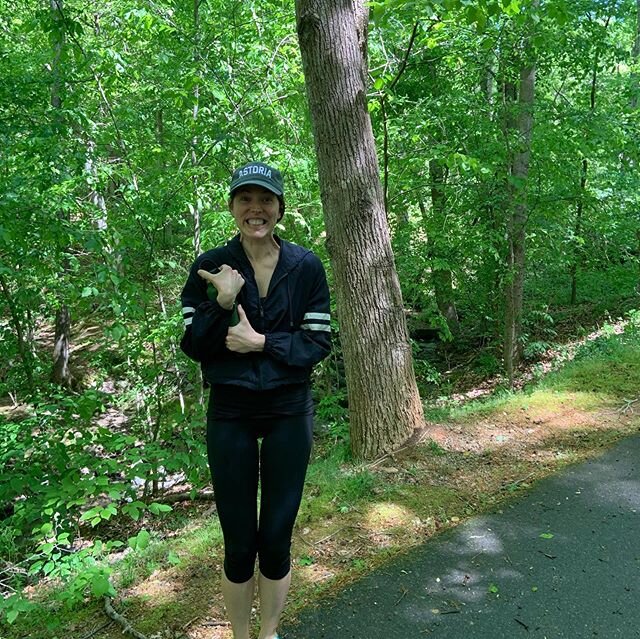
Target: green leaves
(140, 541)
(97, 514)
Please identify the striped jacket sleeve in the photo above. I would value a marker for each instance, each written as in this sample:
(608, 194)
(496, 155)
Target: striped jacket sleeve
(311, 341)
(205, 322)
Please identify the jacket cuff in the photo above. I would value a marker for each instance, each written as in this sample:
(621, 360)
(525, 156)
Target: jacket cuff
(269, 344)
(216, 308)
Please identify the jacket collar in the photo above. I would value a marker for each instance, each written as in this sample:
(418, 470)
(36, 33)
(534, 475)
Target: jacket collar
(288, 259)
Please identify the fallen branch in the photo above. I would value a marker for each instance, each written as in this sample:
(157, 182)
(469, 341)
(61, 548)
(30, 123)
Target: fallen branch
(173, 498)
(628, 403)
(121, 620)
(418, 436)
(95, 631)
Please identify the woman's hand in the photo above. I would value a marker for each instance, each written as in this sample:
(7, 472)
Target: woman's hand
(227, 282)
(241, 338)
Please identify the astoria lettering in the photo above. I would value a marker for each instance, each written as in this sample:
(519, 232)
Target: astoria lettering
(252, 170)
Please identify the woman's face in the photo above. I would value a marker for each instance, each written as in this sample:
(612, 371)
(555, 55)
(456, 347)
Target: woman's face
(256, 211)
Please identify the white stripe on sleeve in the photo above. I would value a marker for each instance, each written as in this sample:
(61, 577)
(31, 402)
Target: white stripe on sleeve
(188, 309)
(316, 327)
(317, 316)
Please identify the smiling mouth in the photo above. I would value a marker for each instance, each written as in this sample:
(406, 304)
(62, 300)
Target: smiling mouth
(255, 221)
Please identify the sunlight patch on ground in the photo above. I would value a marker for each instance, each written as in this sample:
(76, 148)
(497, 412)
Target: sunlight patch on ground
(381, 516)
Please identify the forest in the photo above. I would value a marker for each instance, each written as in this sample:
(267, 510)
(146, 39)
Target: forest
(487, 227)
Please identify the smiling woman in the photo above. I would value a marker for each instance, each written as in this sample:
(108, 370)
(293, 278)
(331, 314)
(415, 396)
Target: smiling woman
(260, 415)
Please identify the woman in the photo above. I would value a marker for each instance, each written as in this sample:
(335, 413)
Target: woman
(256, 315)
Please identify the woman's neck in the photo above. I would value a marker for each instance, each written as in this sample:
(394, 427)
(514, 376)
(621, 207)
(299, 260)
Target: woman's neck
(259, 250)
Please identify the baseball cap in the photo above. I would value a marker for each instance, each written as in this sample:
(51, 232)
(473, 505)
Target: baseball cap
(259, 174)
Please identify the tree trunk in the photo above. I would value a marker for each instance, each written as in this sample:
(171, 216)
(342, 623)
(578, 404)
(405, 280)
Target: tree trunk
(196, 209)
(584, 168)
(517, 218)
(23, 348)
(442, 278)
(384, 403)
(635, 56)
(60, 373)
(577, 231)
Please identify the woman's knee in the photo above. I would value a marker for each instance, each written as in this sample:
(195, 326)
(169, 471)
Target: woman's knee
(275, 560)
(239, 562)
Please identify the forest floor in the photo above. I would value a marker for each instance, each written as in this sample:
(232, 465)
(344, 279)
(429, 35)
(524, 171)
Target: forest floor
(466, 463)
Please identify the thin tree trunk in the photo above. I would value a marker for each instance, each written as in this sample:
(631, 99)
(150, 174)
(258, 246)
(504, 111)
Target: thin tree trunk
(584, 168)
(517, 218)
(60, 373)
(635, 56)
(404, 215)
(635, 103)
(196, 210)
(384, 404)
(23, 349)
(442, 278)
(577, 230)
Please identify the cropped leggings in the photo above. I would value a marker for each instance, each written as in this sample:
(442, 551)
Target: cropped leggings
(237, 461)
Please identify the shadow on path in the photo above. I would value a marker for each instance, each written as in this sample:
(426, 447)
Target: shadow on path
(562, 562)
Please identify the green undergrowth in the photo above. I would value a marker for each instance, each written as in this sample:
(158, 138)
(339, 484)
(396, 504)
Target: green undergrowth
(426, 484)
(603, 371)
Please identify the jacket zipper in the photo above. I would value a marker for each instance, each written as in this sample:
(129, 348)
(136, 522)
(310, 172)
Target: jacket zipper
(260, 359)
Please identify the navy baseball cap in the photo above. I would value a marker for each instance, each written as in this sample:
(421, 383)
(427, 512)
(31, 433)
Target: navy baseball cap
(260, 174)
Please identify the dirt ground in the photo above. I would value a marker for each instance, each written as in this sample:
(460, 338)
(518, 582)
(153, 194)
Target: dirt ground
(475, 465)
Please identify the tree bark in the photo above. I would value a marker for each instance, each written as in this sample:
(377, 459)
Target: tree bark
(60, 373)
(517, 216)
(384, 404)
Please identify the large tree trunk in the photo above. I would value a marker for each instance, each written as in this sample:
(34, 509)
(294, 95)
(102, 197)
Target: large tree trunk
(517, 219)
(60, 373)
(384, 403)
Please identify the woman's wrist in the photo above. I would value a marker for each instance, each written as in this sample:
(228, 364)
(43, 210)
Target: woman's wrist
(259, 341)
(226, 301)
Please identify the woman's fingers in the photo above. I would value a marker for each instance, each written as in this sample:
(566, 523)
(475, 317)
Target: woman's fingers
(226, 279)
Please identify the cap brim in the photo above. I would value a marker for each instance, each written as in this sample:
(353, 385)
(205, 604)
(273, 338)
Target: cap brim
(251, 180)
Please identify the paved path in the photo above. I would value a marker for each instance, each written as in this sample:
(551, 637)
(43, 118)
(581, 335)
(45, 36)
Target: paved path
(498, 577)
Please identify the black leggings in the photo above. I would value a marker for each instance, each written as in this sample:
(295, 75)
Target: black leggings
(236, 461)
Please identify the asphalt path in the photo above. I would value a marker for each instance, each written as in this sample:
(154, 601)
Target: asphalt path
(562, 561)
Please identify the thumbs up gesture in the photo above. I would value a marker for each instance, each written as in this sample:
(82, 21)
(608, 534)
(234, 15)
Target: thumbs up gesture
(227, 282)
(241, 338)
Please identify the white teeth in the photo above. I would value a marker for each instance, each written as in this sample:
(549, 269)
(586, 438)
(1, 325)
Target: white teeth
(256, 222)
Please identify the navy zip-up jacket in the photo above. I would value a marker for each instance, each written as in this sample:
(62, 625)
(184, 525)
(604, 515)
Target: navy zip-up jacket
(293, 317)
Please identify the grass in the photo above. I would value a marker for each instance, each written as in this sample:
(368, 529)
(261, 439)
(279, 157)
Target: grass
(357, 516)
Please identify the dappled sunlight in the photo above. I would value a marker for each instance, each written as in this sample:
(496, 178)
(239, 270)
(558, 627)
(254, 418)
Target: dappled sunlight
(476, 538)
(384, 515)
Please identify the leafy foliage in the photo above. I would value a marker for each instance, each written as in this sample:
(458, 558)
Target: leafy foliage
(99, 200)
